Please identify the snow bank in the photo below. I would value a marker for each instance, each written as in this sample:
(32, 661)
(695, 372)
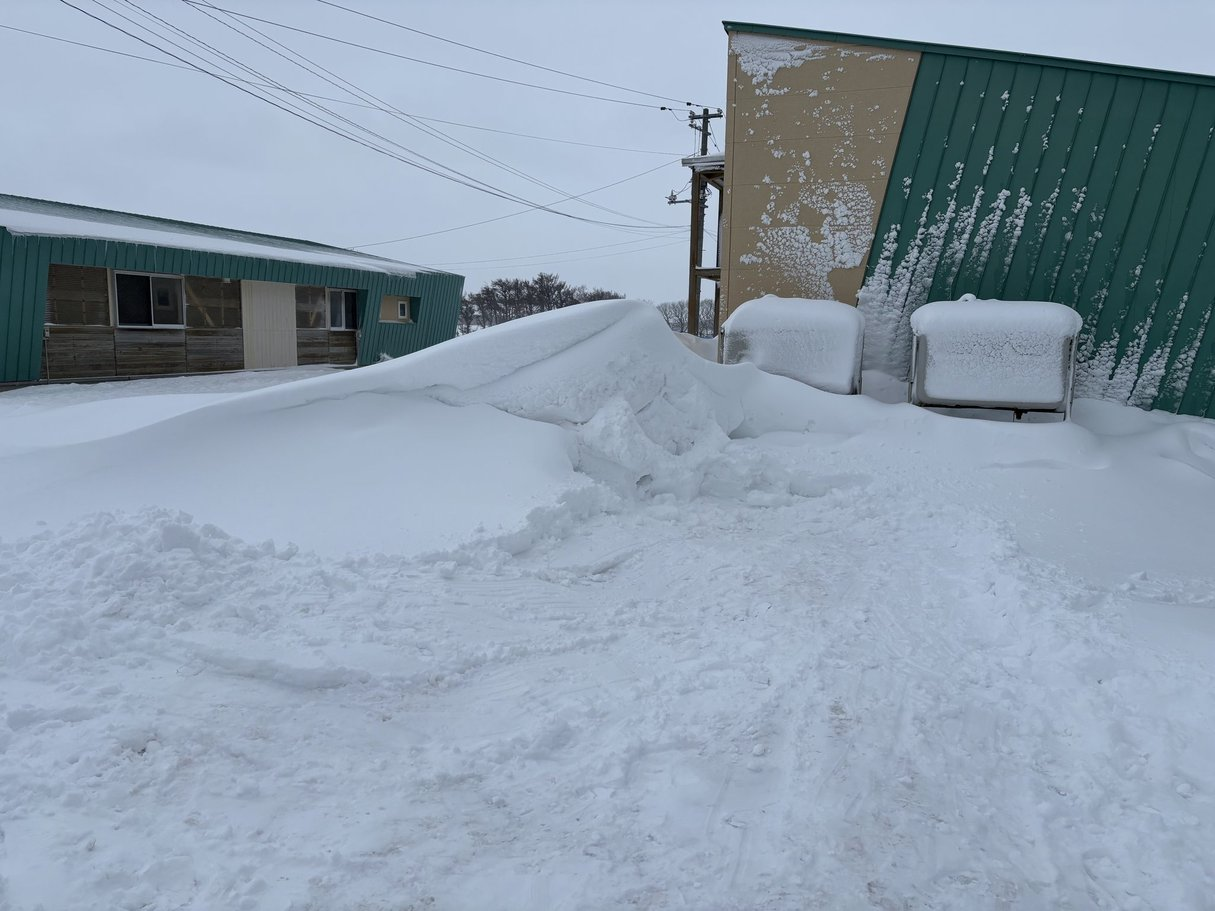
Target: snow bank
(816, 342)
(889, 659)
(991, 352)
(602, 392)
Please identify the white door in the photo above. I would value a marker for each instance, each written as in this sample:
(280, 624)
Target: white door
(268, 316)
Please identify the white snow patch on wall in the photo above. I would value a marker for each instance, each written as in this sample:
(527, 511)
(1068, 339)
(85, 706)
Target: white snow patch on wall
(809, 256)
(762, 56)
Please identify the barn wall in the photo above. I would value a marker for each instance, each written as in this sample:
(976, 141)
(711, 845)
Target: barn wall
(1027, 181)
(30, 349)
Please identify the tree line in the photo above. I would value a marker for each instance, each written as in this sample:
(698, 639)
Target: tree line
(505, 299)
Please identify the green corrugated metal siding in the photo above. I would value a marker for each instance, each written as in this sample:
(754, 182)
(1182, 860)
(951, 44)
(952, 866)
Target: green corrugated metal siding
(1085, 184)
(23, 274)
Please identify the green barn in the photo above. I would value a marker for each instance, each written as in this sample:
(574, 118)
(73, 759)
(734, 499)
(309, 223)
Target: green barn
(91, 293)
(892, 173)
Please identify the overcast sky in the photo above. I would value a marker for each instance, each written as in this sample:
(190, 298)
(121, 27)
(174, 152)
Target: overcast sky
(83, 126)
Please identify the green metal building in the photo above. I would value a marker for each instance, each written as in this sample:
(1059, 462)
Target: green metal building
(892, 173)
(90, 293)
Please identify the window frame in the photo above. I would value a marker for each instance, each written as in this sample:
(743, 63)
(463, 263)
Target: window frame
(399, 309)
(117, 311)
(329, 310)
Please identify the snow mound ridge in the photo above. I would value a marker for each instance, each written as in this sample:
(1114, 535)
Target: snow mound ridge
(642, 409)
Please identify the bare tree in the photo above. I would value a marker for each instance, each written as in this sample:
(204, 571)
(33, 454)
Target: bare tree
(505, 299)
(676, 315)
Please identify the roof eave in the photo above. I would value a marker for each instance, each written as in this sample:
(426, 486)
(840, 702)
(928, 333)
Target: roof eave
(929, 47)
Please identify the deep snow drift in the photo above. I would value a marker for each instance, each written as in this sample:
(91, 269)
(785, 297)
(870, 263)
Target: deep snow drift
(576, 619)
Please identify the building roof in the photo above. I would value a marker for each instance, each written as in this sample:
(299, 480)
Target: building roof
(705, 162)
(929, 47)
(22, 215)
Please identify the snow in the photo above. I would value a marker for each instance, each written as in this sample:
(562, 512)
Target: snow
(36, 217)
(995, 352)
(762, 56)
(599, 624)
(817, 342)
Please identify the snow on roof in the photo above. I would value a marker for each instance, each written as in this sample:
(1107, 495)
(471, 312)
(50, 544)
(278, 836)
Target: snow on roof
(21, 215)
(705, 162)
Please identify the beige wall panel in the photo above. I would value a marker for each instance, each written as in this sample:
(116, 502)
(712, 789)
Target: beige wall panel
(756, 281)
(843, 114)
(812, 129)
(268, 317)
(816, 160)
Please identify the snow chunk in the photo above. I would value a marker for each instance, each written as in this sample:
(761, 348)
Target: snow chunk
(997, 353)
(816, 342)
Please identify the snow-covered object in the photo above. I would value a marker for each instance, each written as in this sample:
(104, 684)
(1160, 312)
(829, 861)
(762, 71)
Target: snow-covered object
(992, 353)
(817, 342)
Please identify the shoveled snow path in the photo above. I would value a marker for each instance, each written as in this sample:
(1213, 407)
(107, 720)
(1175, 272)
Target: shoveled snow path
(854, 697)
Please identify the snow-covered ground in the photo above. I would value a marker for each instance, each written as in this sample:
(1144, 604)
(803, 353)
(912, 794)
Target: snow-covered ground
(561, 615)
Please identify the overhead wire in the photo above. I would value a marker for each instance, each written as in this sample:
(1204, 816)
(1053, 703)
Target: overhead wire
(558, 262)
(509, 259)
(330, 98)
(486, 221)
(481, 50)
(442, 66)
(288, 107)
(343, 84)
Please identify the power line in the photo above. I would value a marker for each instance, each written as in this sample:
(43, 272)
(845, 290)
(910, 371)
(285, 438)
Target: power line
(580, 259)
(346, 85)
(329, 98)
(481, 50)
(442, 66)
(287, 107)
(509, 259)
(486, 221)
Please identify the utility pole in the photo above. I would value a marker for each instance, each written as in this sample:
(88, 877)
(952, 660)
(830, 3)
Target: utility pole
(700, 197)
(704, 117)
(702, 178)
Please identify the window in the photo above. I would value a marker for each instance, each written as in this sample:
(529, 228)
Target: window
(343, 310)
(309, 307)
(152, 301)
(397, 309)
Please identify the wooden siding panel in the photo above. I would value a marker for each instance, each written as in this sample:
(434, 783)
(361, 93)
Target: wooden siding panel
(148, 352)
(77, 296)
(343, 348)
(79, 352)
(313, 346)
(210, 350)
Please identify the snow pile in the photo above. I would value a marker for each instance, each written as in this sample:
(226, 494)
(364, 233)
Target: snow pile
(816, 342)
(607, 393)
(721, 641)
(994, 352)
